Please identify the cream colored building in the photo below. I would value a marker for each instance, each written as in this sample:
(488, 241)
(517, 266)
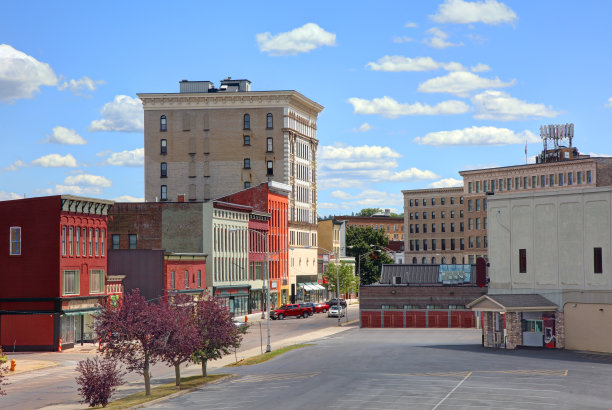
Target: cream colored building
(329, 235)
(205, 143)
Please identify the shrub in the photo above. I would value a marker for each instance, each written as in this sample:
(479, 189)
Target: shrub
(97, 380)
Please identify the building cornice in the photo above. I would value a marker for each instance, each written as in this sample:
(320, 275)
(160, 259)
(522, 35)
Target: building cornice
(433, 190)
(545, 165)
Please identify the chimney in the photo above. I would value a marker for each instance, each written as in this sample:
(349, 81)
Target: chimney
(181, 198)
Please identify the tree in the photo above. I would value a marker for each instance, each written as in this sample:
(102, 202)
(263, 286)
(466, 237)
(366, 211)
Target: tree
(134, 334)
(346, 278)
(217, 332)
(183, 336)
(368, 211)
(98, 380)
(366, 245)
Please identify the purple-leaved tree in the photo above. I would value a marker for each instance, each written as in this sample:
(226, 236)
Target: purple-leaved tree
(98, 380)
(134, 334)
(217, 332)
(183, 336)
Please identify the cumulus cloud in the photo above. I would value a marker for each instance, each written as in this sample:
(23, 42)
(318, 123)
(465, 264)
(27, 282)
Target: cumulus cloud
(22, 75)
(352, 153)
(477, 136)
(401, 63)
(402, 39)
(410, 24)
(446, 183)
(388, 107)
(365, 127)
(88, 180)
(128, 198)
(82, 184)
(461, 83)
(65, 136)
(299, 40)
(76, 86)
(609, 104)
(340, 195)
(133, 158)
(438, 39)
(480, 68)
(123, 114)
(371, 198)
(467, 12)
(498, 105)
(55, 161)
(327, 205)
(16, 165)
(7, 196)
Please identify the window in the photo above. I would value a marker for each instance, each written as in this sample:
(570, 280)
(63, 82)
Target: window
(163, 147)
(433, 201)
(70, 282)
(470, 224)
(411, 216)
(579, 177)
(199, 278)
(469, 187)
(461, 227)
(186, 279)
(172, 286)
(485, 186)
(414, 261)
(453, 260)
(522, 260)
(442, 201)
(486, 243)
(471, 242)
(461, 200)
(478, 205)
(570, 178)
(551, 180)
(443, 228)
(15, 240)
(433, 215)
(247, 184)
(508, 184)
(452, 245)
(247, 122)
(452, 227)
(542, 181)
(412, 245)
(477, 223)
(84, 241)
(442, 214)
(525, 182)
(96, 242)
(416, 227)
(424, 202)
(70, 241)
(484, 223)
(247, 163)
(517, 183)
(416, 245)
(424, 215)
(560, 179)
(269, 144)
(424, 260)
(164, 192)
(461, 213)
(96, 281)
(424, 244)
(478, 242)
(534, 181)
(246, 140)
(477, 186)
(411, 202)
(433, 244)
(270, 167)
(433, 260)
(90, 241)
(269, 121)
(115, 241)
(424, 228)
(470, 205)
(461, 244)
(63, 240)
(133, 241)
(78, 241)
(102, 236)
(163, 123)
(443, 244)
(433, 228)
(597, 260)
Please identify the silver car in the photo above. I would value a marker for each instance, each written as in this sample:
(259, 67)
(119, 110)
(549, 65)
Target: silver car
(335, 311)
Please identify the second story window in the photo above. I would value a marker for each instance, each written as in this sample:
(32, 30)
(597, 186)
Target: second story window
(247, 163)
(97, 234)
(164, 192)
(269, 121)
(15, 245)
(247, 122)
(269, 144)
(246, 140)
(163, 146)
(270, 167)
(63, 240)
(163, 125)
(90, 241)
(164, 170)
(115, 241)
(247, 184)
(133, 240)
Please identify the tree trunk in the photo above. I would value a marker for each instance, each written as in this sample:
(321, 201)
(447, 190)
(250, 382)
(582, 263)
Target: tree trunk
(177, 373)
(204, 367)
(147, 376)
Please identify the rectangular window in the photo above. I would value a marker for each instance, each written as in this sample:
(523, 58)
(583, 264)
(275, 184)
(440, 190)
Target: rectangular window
(70, 282)
(442, 201)
(116, 241)
(461, 227)
(443, 228)
(486, 243)
(247, 184)
(570, 178)
(597, 260)
(477, 205)
(452, 244)
(133, 241)
(163, 170)
(501, 184)
(70, 241)
(163, 147)
(452, 214)
(186, 279)
(424, 202)
(270, 167)
(525, 182)
(416, 245)
(477, 223)
(470, 205)
(471, 239)
(411, 244)
(452, 227)
(534, 181)
(411, 202)
(461, 244)
(78, 241)
(433, 215)
(478, 242)
(469, 187)
(246, 140)
(247, 163)
(15, 240)
(588, 177)
(97, 232)
(522, 260)
(443, 244)
(172, 280)
(164, 192)
(424, 228)
(424, 244)
(579, 177)
(442, 214)
(269, 144)
(470, 224)
(433, 201)
(63, 240)
(551, 180)
(560, 179)
(102, 241)
(433, 228)
(517, 183)
(542, 181)
(492, 185)
(485, 223)
(96, 281)
(199, 278)
(485, 186)
(84, 241)
(433, 244)
(416, 227)
(477, 186)
(424, 215)
(452, 200)
(90, 241)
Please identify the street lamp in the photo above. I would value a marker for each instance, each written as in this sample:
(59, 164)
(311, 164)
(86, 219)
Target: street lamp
(267, 282)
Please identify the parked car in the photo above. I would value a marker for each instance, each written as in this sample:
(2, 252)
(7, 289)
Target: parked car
(333, 302)
(289, 310)
(308, 305)
(336, 311)
(321, 307)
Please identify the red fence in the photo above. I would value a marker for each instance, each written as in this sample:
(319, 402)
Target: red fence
(400, 318)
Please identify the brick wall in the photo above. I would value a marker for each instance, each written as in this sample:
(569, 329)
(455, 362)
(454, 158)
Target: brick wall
(488, 329)
(560, 330)
(514, 331)
(374, 296)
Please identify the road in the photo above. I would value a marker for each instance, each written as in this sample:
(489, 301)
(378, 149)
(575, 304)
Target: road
(56, 387)
(433, 369)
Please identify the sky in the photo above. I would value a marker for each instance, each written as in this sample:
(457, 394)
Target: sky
(414, 92)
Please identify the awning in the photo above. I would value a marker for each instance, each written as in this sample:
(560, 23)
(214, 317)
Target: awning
(317, 286)
(513, 303)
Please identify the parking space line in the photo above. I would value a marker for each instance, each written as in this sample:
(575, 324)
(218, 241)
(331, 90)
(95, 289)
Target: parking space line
(451, 392)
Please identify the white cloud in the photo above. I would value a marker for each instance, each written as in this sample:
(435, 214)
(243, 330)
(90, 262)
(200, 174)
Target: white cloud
(609, 104)
(7, 196)
(460, 83)
(133, 158)
(479, 166)
(347, 165)
(299, 40)
(480, 68)
(438, 39)
(128, 198)
(365, 127)
(410, 24)
(402, 39)
(446, 183)
(498, 105)
(388, 107)
(84, 83)
(351, 153)
(22, 75)
(327, 205)
(16, 165)
(599, 155)
(340, 195)
(123, 114)
(412, 174)
(63, 135)
(88, 180)
(477, 136)
(82, 184)
(55, 161)
(401, 63)
(370, 198)
(325, 182)
(466, 12)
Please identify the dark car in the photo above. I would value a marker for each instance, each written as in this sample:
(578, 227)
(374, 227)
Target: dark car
(333, 302)
(308, 305)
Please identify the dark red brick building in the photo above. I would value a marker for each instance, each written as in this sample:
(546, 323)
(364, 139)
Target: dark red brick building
(53, 274)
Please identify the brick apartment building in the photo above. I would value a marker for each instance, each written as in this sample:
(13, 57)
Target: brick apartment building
(393, 226)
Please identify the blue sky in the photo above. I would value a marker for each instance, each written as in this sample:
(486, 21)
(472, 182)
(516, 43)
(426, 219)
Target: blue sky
(413, 92)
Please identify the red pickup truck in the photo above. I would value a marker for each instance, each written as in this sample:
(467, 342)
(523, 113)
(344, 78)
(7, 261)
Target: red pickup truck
(289, 310)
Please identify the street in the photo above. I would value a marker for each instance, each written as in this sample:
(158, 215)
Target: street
(55, 386)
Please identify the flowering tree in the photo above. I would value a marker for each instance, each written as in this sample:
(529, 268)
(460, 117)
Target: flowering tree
(183, 338)
(217, 332)
(134, 334)
(97, 380)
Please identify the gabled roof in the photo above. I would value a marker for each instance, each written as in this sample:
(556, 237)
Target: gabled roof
(513, 303)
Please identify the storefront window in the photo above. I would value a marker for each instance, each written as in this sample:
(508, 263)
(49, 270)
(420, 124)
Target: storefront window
(532, 326)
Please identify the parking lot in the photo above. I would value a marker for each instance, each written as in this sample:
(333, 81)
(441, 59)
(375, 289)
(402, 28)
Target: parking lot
(412, 369)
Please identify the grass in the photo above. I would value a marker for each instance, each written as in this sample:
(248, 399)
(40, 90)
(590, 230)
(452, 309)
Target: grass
(162, 391)
(266, 356)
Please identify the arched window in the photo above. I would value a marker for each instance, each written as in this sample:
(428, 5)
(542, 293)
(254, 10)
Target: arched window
(163, 125)
(443, 260)
(164, 146)
(433, 260)
(424, 261)
(414, 261)
(247, 122)
(164, 170)
(269, 121)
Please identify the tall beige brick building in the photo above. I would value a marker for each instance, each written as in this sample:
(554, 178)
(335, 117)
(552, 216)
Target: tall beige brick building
(205, 142)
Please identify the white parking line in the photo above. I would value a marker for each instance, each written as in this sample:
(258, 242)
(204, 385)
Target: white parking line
(451, 392)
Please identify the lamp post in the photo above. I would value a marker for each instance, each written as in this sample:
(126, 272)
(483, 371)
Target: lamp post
(267, 282)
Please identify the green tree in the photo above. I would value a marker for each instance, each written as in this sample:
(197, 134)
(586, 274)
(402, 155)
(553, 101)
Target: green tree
(367, 244)
(368, 211)
(346, 277)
